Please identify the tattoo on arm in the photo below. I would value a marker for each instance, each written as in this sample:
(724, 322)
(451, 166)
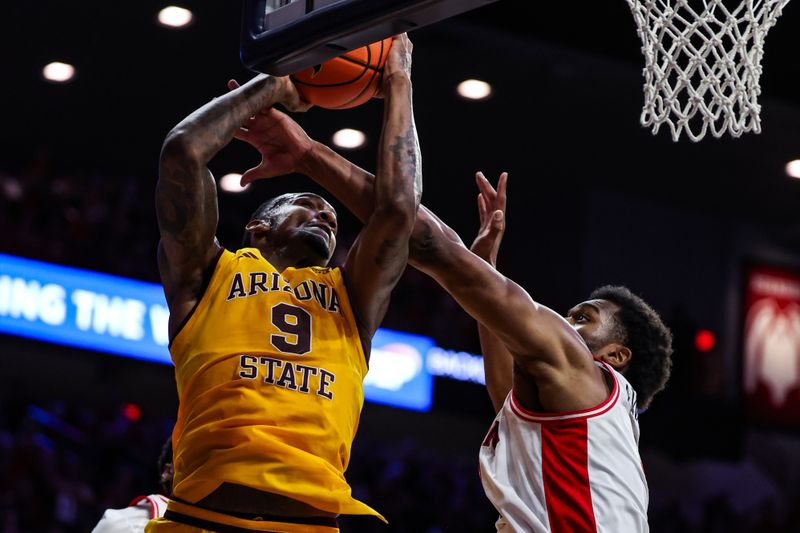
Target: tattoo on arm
(405, 153)
(173, 207)
(186, 206)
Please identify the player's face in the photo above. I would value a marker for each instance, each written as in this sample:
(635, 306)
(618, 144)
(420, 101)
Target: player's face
(595, 322)
(312, 220)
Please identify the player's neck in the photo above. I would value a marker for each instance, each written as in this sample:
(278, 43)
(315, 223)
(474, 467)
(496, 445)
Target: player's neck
(282, 258)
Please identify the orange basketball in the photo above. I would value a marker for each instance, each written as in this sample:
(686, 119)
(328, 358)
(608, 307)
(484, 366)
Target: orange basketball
(345, 81)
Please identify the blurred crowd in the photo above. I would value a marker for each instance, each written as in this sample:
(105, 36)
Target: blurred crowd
(90, 221)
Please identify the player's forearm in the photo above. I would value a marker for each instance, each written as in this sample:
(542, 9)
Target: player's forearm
(354, 186)
(398, 182)
(186, 199)
(205, 132)
(431, 240)
(349, 183)
(498, 365)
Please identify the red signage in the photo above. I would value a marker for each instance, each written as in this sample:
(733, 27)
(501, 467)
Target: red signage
(771, 347)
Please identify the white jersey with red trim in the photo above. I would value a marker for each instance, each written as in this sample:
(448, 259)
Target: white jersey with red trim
(567, 472)
(134, 518)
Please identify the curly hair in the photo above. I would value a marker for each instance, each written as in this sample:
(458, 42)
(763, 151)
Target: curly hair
(645, 334)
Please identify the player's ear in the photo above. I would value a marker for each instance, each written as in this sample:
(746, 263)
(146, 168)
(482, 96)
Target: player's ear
(258, 229)
(615, 354)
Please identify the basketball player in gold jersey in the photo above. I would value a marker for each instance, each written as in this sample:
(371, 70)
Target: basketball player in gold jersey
(270, 345)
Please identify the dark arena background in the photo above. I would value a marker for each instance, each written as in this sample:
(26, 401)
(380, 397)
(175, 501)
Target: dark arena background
(708, 232)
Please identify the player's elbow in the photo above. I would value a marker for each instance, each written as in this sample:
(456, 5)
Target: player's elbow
(400, 215)
(429, 245)
(179, 147)
(423, 248)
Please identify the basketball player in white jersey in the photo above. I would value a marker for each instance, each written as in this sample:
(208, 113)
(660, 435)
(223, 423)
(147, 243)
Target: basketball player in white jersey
(562, 454)
(551, 460)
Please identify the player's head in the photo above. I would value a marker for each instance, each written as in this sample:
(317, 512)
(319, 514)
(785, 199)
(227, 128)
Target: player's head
(165, 467)
(623, 330)
(301, 225)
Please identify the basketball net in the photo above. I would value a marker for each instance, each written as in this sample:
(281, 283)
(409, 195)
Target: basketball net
(703, 63)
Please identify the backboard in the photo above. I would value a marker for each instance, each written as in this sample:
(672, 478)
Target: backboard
(280, 37)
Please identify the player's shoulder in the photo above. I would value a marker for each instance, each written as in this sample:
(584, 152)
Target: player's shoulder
(244, 254)
(624, 391)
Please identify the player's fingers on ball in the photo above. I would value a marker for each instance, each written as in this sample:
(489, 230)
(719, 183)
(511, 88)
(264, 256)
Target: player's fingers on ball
(300, 106)
(233, 84)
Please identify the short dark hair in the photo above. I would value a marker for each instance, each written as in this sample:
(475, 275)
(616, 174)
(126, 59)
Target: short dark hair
(648, 338)
(164, 459)
(266, 210)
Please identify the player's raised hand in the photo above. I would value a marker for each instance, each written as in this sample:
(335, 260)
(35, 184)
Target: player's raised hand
(397, 63)
(492, 212)
(291, 97)
(280, 140)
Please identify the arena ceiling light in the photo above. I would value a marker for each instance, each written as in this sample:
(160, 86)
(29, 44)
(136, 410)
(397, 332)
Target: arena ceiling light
(174, 17)
(230, 183)
(349, 139)
(474, 89)
(793, 168)
(58, 72)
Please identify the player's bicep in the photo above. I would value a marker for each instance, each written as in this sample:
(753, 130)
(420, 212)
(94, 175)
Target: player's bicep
(374, 265)
(186, 209)
(536, 336)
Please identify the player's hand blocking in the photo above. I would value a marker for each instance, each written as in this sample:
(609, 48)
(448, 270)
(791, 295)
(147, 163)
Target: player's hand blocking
(492, 212)
(281, 142)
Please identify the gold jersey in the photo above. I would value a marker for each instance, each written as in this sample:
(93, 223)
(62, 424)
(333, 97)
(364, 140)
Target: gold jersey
(269, 368)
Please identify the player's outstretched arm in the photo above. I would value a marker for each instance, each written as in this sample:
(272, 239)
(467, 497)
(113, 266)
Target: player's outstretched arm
(379, 255)
(498, 363)
(186, 199)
